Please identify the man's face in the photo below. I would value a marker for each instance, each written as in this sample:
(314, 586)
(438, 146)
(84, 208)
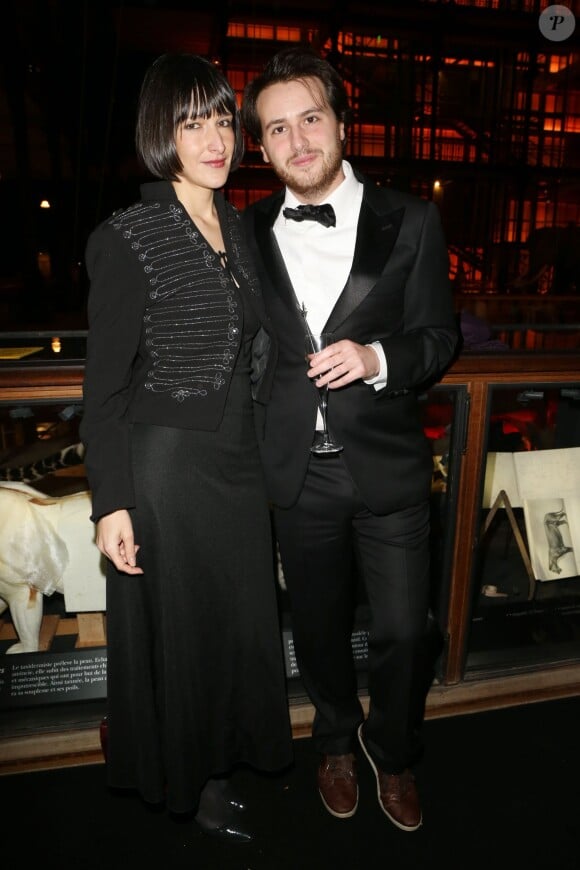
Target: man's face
(301, 137)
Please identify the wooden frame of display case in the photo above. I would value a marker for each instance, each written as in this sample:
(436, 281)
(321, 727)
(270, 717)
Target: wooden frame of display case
(453, 694)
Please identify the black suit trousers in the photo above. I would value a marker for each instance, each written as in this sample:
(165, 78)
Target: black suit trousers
(327, 539)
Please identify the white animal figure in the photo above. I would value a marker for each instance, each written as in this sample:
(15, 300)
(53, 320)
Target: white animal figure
(46, 545)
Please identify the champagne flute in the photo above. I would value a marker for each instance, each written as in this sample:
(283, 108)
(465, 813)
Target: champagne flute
(323, 442)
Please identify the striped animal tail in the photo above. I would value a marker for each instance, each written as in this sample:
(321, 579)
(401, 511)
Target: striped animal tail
(65, 458)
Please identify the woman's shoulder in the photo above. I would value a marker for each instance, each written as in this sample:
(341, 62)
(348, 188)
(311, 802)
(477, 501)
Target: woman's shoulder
(156, 196)
(110, 224)
(112, 238)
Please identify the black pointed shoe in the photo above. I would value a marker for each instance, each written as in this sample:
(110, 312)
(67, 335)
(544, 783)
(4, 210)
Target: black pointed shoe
(228, 832)
(230, 796)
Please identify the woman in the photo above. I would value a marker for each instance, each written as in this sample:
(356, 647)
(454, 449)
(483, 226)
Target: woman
(195, 668)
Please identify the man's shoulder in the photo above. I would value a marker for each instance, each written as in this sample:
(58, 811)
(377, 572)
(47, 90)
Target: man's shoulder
(265, 204)
(392, 198)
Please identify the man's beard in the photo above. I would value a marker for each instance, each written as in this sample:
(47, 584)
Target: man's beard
(313, 183)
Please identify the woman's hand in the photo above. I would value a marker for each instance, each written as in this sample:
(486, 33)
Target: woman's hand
(116, 541)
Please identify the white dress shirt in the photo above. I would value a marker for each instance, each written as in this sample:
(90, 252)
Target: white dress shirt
(319, 258)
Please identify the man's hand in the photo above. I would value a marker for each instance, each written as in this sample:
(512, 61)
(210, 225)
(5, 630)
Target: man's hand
(115, 540)
(342, 363)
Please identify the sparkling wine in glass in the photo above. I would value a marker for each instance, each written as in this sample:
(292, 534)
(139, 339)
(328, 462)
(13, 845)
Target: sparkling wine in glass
(323, 442)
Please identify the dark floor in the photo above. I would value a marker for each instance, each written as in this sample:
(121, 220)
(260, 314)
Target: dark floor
(500, 790)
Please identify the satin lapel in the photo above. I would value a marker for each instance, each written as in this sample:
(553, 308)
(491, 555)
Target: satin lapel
(272, 257)
(376, 236)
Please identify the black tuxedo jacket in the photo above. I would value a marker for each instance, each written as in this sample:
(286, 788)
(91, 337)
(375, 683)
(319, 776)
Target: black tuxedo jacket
(398, 293)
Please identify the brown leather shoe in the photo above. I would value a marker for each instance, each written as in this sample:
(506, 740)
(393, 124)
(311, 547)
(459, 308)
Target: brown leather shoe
(397, 794)
(338, 785)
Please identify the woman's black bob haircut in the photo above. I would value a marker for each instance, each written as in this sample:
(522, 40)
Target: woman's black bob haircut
(177, 87)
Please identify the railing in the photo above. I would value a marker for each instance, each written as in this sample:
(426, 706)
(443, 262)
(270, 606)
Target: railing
(516, 308)
(538, 336)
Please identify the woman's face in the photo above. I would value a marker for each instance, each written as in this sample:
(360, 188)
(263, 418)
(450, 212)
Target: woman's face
(205, 147)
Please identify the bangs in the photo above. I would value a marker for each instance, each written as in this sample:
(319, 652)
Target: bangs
(200, 102)
(176, 89)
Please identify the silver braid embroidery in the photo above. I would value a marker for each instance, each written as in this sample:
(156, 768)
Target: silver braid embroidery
(192, 320)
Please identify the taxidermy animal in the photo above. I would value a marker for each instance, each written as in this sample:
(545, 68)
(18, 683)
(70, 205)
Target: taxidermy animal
(46, 546)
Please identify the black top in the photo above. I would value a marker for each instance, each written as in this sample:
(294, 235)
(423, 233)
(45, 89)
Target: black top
(164, 330)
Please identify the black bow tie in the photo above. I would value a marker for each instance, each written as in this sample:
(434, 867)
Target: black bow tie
(324, 214)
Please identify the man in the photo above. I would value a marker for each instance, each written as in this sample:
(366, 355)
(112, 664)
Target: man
(375, 274)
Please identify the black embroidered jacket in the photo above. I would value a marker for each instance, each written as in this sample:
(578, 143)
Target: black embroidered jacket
(165, 326)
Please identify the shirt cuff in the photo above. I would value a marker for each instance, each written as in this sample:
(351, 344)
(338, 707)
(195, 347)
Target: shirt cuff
(379, 382)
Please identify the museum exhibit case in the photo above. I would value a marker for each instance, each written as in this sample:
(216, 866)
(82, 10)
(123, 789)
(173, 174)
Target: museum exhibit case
(505, 436)
(526, 583)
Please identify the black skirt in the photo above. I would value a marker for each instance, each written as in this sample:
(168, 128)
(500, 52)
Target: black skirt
(196, 680)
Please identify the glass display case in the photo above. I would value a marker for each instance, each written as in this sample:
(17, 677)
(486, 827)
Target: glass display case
(507, 633)
(526, 583)
(52, 589)
(510, 635)
(36, 349)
